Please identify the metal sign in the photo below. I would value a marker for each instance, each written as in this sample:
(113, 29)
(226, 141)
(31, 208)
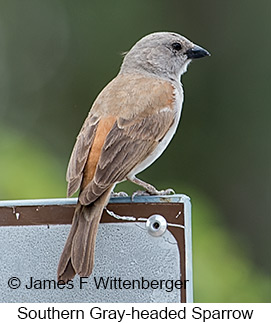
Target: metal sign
(143, 251)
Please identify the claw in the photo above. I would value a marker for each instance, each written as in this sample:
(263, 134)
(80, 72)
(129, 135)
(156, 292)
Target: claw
(153, 192)
(167, 192)
(119, 194)
(140, 193)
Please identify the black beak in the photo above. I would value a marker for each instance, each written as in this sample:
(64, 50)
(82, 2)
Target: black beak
(197, 52)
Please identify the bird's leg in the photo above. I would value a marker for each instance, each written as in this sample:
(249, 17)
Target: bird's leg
(150, 189)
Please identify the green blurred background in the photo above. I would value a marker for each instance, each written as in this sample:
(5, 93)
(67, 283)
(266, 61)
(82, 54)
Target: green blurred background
(55, 57)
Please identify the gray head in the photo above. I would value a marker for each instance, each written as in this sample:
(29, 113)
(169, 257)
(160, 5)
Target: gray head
(165, 54)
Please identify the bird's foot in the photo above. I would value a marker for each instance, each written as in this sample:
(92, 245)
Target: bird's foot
(119, 194)
(149, 189)
(153, 191)
(140, 193)
(168, 191)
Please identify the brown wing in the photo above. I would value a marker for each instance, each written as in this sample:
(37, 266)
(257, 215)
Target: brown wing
(126, 122)
(127, 144)
(80, 154)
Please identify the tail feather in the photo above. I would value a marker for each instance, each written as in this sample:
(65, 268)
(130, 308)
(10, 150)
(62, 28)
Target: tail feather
(65, 269)
(78, 254)
(83, 245)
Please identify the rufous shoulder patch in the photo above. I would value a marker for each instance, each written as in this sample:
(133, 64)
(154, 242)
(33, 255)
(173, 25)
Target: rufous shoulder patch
(104, 127)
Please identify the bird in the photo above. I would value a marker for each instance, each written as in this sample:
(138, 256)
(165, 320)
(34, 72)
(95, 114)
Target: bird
(129, 125)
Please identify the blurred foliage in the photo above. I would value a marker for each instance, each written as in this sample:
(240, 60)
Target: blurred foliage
(55, 57)
(223, 271)
(27, 170)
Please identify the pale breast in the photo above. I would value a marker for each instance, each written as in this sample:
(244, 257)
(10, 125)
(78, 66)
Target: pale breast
(167, 138)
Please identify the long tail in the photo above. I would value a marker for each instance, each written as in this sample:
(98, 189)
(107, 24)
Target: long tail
(78, 254)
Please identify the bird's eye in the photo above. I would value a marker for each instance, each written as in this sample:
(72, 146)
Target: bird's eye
(176, 46)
